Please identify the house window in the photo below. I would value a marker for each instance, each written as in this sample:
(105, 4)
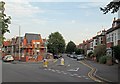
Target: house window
(38, 45)
(101, 42)
(115, 37)
(101, 38)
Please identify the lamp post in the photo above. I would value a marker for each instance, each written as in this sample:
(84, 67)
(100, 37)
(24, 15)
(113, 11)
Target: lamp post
(19, 43)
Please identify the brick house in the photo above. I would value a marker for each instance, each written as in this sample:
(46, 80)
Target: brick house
(33, 44)
(6, 47)
(113, 36)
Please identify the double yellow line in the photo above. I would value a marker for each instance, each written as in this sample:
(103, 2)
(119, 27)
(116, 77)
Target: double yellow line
(90, 74)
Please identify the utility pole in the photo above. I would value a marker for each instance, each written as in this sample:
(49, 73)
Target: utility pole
(19, 43)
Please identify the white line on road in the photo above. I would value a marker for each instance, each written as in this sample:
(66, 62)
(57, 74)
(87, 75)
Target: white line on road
(71, 75)
(64, 73)
(84, 76)
(74, 69)
(45, 69)
(53, 70)
(57, 70)
(87, 78)
(79, 76)
(75, 74)
(49, 69)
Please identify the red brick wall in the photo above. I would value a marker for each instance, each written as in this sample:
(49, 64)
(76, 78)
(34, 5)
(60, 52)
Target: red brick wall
(24, 42)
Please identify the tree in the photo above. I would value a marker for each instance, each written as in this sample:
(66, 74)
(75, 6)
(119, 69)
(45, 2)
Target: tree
(70, 48)
(4, 21)
(99, 51)
(56, 43)
(79, 51)
(116, 50)
(113, 5)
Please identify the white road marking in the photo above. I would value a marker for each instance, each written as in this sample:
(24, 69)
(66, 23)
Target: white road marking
(68, 64)
(84, 76)
(64, 73)
(75, 74)
(57, 70)
(74, 69)
(71, 75)
(45, 69)
(53, 70)
(79, 76)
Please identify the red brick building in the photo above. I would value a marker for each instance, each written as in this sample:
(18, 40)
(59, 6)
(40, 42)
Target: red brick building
(113, 36)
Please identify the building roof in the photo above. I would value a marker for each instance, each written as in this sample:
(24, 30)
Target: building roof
(114, 28)
(30, 36)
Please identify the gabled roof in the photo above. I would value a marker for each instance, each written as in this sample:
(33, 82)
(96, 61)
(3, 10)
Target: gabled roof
(114, 28)
(30, 36)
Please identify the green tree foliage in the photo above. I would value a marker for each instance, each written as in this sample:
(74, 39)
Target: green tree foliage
(113, 5)
(99, 51)
(79, 51)
(90, 53)
(56, 43)
(4, 21)
(70, 48)
(116, 50)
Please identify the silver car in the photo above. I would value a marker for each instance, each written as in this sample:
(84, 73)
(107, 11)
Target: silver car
(80, 57)
(8, 58)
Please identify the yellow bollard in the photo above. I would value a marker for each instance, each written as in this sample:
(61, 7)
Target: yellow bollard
(62, 61)
(45, 63)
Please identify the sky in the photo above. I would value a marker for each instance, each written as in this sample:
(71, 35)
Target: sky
(76, 20)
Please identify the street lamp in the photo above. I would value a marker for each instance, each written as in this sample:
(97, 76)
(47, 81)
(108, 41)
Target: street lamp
(18, 41)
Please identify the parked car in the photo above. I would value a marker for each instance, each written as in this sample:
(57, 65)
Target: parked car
(68, 55)
(74, 56)
(8, 58)
(80, 57)
(71, 56)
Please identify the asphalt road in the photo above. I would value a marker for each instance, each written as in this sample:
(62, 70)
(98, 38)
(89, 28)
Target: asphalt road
(72, 71)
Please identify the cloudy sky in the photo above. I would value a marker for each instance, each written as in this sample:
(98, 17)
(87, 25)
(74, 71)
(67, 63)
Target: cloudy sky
(76, 20)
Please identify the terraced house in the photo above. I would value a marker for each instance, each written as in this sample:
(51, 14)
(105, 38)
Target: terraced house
(110, 38)
(113, 36)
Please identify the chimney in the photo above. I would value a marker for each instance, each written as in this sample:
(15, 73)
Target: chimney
(113, 24)
(114, 19)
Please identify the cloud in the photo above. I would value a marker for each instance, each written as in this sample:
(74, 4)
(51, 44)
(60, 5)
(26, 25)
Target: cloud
(73, 21)
(18, 8)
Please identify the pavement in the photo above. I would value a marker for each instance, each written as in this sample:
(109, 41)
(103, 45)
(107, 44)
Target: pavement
(21, 62)
(105, 72)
